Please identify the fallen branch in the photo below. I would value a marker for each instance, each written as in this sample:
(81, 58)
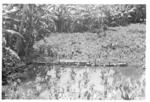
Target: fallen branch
(74, 63)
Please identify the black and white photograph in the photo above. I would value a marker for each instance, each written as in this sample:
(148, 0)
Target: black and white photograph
(73, 51)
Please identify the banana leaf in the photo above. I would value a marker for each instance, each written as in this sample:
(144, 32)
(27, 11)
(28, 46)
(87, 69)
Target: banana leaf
(12, 32)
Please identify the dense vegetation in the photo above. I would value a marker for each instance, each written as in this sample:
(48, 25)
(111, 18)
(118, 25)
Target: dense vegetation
(36, 35)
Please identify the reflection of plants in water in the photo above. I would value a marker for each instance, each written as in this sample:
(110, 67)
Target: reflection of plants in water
(84, 83)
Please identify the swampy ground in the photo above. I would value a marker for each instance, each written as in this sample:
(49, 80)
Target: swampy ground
(121, 44)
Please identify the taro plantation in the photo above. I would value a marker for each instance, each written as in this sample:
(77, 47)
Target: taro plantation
(70, 51)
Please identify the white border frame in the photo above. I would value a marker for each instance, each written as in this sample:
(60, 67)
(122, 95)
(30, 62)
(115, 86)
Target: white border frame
(147, 2)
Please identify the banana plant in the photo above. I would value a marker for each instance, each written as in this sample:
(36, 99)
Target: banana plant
(27, 21)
